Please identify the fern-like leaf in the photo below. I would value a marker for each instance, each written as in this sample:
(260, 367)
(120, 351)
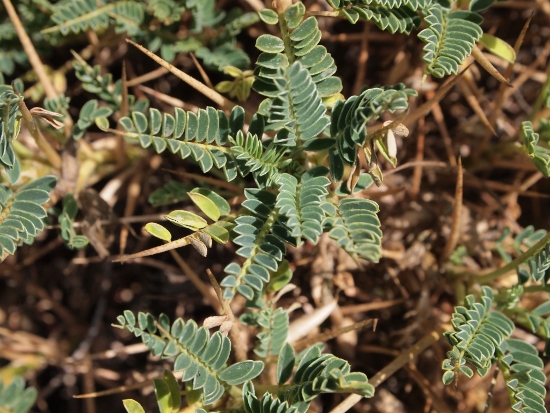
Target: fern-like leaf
(201, 357)
(102, 86)
(538, 154)
(304, 203)
(450, 38)
(266, 404)
(356, 228)
(261, 236)
(525, 379)
(303, 46)
(167, 11)
(251, 157)
(66, 221)
(274, 330)
(349, 119)
(392, 15)
(21, 213)
(10, 125)
(81, 15)
(318, 373)
(296, 109)
(478, 333)
(537, 268)
(200, 136)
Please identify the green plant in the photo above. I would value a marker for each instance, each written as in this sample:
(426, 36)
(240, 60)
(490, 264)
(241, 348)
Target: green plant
(296, 159)
(481, 336)
(14, 397)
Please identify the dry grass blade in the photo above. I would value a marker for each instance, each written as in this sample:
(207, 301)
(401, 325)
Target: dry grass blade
(120, 153)
(488, 66)
(302, 326)
(426, 107)
(405, 357)
(457, 213)
(29, 49)
(133, 192)
(362, 308)
(148, 76)
(466, 89)
(499, 101)
(213, 181)
(172, 101)
(442, 126)
(194, 83)
(182, 242)
(197, 282)
(114, 390)
(51, 154)
(330, 334)
(240, 348)
(417, 172)
(202, 72)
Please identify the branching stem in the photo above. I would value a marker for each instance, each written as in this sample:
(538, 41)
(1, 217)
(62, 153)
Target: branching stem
(484, 279)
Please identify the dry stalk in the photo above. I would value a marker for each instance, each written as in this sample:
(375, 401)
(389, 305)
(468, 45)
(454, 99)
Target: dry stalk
(29, 49)
(405, 357)
(194, 83)
(457, 213)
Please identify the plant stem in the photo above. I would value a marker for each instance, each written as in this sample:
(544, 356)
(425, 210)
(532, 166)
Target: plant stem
(51, 154)
(34, 59)
(540, 99)
(484, 279)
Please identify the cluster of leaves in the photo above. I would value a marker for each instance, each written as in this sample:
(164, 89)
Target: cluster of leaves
(203, 357)
(450, 35)
(292, 204)
(66, 221)
(152, 23)
(478, 332)
(21, 213)
(540, 155)
(481, 338)
(10, 124)
(303, 112)
(14, 397)
(533, 246)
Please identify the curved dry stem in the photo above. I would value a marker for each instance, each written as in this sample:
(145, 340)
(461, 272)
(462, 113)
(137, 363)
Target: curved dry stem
(191, 81)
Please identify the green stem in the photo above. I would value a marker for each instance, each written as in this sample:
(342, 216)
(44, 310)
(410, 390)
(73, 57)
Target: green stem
(484, 279)
(541, 96)
(51, 154)
(285, 35)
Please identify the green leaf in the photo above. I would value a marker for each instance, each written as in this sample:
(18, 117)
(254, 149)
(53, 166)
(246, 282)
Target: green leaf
(240, 372)
(542, 309)
(158, 231)
(218, 233)
(467, 371)
(222, 205)
(102, 123)
(269, 44)
(448, 377)
(281, 277)
(206, 205)
(26, 400)
(269, 16)
(132, 406)
(480, 5)
(498, 47)
(285, 363)
(162, 393)
(186, 219)
(175, 392)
